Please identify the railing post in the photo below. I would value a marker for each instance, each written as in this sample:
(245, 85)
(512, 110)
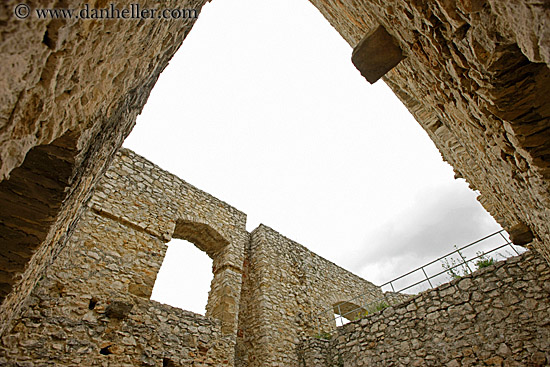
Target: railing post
(428, 279)
(509, 243)
(513, 248)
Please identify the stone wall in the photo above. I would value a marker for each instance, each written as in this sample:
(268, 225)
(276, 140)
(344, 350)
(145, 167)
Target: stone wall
(60, 329)
(496, 316)
(284, 285)
(70, 91)
(475, 76)
(137, 194)
(92, 307)
(77, 316)
(93, 303)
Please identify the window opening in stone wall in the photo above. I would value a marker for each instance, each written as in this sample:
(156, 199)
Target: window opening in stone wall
(184, 278)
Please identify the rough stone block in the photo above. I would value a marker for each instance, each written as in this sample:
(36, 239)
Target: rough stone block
(118, 309)
(521, 234)
(376, 54)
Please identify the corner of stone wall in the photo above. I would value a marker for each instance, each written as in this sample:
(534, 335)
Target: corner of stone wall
(313, 352)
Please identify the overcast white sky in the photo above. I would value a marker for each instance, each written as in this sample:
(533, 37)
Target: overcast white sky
(262, 108)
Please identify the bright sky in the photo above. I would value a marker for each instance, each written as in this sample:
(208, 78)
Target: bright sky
(262, 108)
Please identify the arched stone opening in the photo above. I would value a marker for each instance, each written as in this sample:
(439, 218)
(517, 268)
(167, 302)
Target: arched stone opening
(32, 198)
(347, 311)
(202, 235)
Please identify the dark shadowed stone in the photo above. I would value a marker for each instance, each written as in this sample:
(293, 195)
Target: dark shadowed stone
(376, 54)
(520, 234)
(538, 359)
(118, 309)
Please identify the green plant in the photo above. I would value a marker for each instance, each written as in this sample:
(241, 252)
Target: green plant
(360, 315)
(372, 308)
(456, 269)
(323, 335)
(483, 260)
(380, 306)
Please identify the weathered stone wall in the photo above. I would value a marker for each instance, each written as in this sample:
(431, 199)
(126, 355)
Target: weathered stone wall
(476, 77)
(284, 285)
(84, 312)
(92, 307)
(112, 261)
(70, 91)
(140, 195)
(152, 334)
(496, 316)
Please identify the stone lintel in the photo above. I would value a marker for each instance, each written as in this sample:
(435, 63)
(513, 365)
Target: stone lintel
(376, 54)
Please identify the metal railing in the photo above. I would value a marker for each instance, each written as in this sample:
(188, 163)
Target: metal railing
(455, 264)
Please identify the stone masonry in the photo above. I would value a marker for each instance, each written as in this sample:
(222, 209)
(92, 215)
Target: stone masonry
(112, 261)
(93, 306)
(284, 285)
(70, 91)
(267, 297)
(497, 316)
(474, 73)
(140, 195)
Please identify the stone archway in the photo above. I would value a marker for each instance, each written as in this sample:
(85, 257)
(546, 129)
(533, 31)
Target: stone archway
(33, 208)
(31, 199)
(222, 300)
(202, 235)
(349, 311)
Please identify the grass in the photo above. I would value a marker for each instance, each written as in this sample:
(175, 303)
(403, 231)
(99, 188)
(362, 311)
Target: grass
(372, 309)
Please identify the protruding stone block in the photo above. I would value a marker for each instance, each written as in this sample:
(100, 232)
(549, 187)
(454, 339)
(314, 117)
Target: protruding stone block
(118, 309)
(521, 234)
(376, 54)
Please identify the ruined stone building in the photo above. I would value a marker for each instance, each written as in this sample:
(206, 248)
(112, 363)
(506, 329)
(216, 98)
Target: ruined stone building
(83, 223)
